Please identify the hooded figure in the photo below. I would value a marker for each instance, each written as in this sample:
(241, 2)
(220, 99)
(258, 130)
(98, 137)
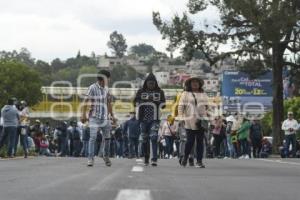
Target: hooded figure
(149, 99)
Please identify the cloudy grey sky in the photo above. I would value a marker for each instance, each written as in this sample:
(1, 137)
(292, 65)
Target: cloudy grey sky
(59, 28)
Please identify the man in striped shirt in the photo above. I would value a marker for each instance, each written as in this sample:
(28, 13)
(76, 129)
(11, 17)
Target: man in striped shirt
(100, 115)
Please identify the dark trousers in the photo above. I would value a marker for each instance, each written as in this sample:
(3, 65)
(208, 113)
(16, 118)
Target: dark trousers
(120, 148)
(290, 140)
(134, 147)
(169, 146)
(10, 134)
(76, 148)
(63, 146)
(218, 141)
(125, 146)
(244, 147)
(193, 135)
(256, 144)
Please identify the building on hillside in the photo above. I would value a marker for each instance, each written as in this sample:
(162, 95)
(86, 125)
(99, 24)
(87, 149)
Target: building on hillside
(163, 78)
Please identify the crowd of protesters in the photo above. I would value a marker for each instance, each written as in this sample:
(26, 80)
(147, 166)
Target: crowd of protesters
(183, 134)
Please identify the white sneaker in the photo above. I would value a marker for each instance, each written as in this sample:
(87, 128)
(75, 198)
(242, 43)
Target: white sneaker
(171, 157)
(246, 157)
(241, 157)
(225, 157)
(90, 163)
(166, 156)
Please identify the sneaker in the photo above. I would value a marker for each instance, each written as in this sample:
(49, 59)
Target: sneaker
(180, 160)
(200, 165)
(184, 162)
(246, 157)
(90, 163)
(154, 163)
(191, 162)
(241, 157)
(107, 161)
(166, 156)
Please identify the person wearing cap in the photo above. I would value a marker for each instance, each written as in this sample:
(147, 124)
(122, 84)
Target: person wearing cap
(290, 127)
(100, 115)
(11, 119)
(193, 109)
(148, 101)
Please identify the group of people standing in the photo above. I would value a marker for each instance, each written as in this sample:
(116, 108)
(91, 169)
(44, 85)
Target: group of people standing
(190, 127)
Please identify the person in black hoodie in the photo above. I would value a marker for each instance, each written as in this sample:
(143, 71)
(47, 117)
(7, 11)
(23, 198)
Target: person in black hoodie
(148, 101)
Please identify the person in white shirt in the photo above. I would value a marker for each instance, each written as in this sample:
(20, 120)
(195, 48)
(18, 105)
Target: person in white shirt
(290, 127)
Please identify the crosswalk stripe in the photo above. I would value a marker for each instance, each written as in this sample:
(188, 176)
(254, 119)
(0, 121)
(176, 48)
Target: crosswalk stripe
(134, 195)
(137, 169)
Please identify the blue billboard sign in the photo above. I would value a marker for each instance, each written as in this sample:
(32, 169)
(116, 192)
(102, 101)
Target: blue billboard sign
(240, 91)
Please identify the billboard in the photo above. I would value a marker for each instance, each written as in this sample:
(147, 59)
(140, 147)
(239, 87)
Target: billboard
(240, 93)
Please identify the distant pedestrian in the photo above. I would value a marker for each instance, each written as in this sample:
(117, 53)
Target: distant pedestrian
(290, 127)
(11, 119)
(243, 137)
(256, 136)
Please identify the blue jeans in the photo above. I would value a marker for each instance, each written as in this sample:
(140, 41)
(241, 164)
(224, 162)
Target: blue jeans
(85, 148)
(169, 145)
(134, 147)
(11, 133)
(230, 148)
(149, 132)
(290, 139)
(95, 126)
(119, 148)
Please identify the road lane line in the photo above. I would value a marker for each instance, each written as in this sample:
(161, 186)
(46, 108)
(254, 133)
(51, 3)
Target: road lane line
(280, 161)
(137, 169)
(134, 195)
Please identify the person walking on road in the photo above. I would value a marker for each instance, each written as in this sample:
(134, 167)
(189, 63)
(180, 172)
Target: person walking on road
(148, 101)
(99, 115)
(192, 108)
(290, 127)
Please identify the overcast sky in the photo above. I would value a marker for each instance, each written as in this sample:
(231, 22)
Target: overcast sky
(59, 28)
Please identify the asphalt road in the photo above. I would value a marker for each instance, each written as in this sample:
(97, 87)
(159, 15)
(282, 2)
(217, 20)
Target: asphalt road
(70, 179)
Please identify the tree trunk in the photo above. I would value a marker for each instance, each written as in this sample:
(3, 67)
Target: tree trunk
(278, 109)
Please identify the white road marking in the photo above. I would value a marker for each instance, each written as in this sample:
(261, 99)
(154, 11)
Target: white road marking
(137, 169)
(280, 161)
(134, 195)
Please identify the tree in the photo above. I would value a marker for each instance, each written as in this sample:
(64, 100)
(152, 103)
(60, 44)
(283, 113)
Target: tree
(142, 50)
(117, 43)
(20, 81)
(24, 56)
(260, 29)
